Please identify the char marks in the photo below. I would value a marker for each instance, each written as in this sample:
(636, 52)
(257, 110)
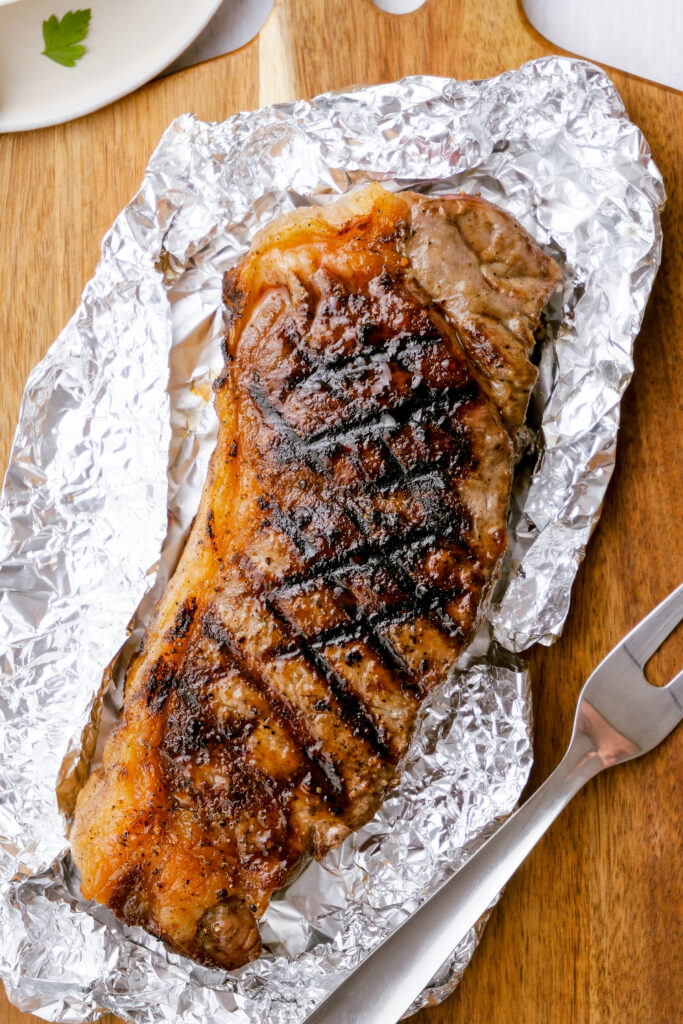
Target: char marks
(369, 570)
(379, 473)
(326, 776)
(184, 618)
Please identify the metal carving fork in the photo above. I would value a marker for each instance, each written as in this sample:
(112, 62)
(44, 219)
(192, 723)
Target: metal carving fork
(619, 716)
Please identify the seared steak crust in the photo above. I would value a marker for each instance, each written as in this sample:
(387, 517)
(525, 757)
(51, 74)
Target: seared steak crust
(352, 522)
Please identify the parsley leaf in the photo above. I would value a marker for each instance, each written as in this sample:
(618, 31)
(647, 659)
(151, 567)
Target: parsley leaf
(61, 37)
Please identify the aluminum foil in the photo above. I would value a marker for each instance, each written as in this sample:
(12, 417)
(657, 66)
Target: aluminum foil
(115, 432)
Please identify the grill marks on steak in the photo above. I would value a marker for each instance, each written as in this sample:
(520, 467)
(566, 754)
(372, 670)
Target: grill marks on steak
(353, 519)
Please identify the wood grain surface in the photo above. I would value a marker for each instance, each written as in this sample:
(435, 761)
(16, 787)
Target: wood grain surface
(589, 931)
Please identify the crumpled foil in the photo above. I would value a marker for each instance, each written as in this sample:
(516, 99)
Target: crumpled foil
(111, 451)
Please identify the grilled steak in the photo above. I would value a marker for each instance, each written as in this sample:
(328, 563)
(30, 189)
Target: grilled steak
(354, 516)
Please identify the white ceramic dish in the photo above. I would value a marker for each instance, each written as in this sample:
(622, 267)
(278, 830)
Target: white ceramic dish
(128, 43)
(642, 38)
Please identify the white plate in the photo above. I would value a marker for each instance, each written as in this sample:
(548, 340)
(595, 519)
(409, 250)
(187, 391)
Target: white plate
(642, 38)
(129, 42)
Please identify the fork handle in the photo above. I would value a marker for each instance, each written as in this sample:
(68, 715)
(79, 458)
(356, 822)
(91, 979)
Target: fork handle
(385, 985)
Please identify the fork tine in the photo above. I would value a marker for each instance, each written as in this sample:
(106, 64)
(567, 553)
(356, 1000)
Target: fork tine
(642, 642)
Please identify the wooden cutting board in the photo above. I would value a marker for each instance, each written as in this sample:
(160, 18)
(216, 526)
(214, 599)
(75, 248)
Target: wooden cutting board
(589, 931)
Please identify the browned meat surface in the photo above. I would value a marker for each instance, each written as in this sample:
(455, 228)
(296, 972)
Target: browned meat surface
(377, 368)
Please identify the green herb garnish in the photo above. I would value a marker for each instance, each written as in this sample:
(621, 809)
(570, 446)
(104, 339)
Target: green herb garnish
(61, 37)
